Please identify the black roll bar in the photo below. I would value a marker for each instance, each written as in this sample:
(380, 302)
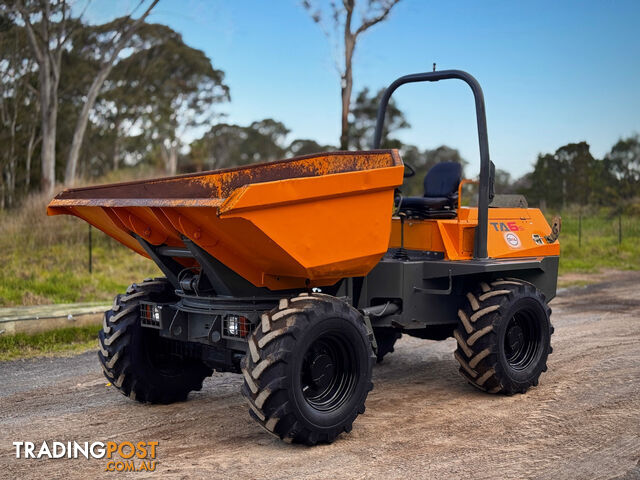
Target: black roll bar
(480, 247)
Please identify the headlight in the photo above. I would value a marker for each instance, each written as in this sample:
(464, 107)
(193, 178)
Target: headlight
(237, 326)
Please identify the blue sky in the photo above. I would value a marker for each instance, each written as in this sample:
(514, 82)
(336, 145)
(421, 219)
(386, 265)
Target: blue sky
(553, 72)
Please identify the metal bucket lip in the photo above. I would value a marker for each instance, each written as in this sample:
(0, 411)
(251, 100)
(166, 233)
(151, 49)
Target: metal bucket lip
(217, 184)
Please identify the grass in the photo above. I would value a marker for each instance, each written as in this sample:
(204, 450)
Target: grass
(598, 247)
(59, 273)
(45, 260)
(63, 341)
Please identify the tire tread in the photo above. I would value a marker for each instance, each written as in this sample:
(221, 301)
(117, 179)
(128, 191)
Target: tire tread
(476, 336)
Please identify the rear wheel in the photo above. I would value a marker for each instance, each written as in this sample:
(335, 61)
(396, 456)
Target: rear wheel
(136, 360)
(308, 369)
(504, 336)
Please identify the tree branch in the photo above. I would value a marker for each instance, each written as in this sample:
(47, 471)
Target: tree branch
(368, 23)
(30, 32)
(92, 94)
(71, 31)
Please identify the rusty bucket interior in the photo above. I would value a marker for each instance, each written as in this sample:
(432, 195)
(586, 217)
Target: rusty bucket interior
(306, 221)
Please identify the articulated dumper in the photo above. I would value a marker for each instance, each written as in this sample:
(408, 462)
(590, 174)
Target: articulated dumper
(300, 274)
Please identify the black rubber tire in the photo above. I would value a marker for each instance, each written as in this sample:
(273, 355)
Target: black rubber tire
(130, 354)
(386, 338)
(486, 356)
(273, 368)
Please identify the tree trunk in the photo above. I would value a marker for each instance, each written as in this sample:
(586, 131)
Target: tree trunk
(346, 101)
(116, 154)
(81, 126)
(49, 62)
(11, 183)
(116, 144)
(170, 155)
(11, 165)
(11, 176)
(48, 156)
(347, 86)
(49, 112)
(27, 167)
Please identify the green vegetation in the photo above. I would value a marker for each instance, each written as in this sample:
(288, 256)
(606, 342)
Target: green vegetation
(69, 340)
(59, 273)
(45, 260)
(573, 176)
(599, 246)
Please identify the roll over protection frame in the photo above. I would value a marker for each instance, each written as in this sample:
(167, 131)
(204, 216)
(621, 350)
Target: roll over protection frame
(486, 166)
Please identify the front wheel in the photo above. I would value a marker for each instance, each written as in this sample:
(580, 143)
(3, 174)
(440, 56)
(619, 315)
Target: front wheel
(504, 336)
(136, 360)
(308, 369)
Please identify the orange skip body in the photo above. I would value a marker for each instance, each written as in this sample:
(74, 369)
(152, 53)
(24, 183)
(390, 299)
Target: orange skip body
(308, 221)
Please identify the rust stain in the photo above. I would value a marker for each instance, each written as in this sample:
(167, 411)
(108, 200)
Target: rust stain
(213, 186)
(224, 183)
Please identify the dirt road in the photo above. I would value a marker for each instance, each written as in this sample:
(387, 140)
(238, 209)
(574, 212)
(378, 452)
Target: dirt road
(422, 419)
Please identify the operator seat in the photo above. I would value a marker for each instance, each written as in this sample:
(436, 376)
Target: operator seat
(440, 193)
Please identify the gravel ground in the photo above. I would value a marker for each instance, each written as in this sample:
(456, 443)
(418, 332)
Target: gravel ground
(422, 419)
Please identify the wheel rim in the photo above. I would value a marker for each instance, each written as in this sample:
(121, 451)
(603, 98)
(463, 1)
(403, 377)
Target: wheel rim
(328, 376)
(523, 339)
(161, 356)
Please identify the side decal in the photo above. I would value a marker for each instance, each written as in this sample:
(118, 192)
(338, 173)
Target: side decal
(512, 240)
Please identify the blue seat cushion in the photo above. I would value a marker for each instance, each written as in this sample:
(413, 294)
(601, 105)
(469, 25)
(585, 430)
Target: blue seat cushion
(442, 179)
(440, 193)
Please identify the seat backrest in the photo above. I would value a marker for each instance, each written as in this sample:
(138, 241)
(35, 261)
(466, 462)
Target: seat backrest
(442, 179)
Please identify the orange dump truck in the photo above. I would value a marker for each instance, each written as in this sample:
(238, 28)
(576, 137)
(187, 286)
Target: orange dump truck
(301, 273)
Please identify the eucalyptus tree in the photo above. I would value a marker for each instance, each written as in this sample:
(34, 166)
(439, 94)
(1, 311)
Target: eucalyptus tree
(362, 121)
(624, 163)
(19, 128)
(344, 23)
(162, 91)
(227, 145)
(110, 38)
(51, 26)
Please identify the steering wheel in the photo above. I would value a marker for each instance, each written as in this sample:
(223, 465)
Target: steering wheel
(409, 171)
